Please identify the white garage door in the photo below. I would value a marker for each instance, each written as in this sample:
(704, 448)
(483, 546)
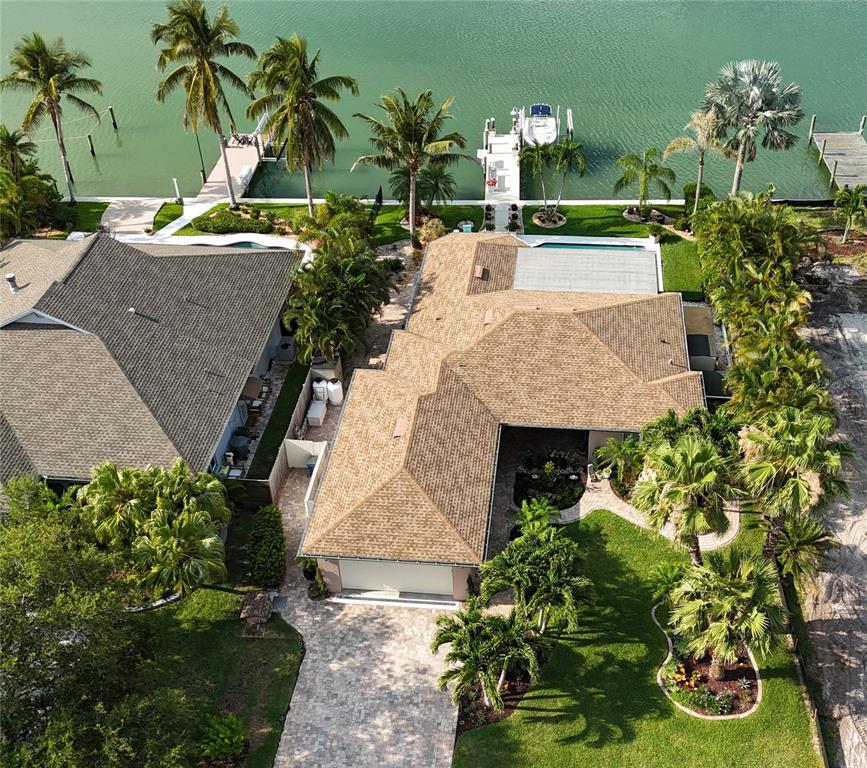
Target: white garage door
(372, 575)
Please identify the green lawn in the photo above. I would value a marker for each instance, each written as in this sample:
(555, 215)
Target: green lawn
(597, 704)
(680, 266)
(285, 211)
(387, 229)
(87, 219)
(88, 216)
(199, 648)
(167, 213)
(275, 432)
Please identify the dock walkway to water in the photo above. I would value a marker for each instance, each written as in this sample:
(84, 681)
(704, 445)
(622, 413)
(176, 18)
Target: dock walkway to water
(844, 154)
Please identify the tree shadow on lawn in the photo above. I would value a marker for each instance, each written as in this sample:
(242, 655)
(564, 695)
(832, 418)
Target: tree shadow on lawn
(601, 679)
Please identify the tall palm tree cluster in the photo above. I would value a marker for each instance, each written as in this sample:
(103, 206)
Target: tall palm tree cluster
(750, 250)
(541, 570)
(566, 157)
(167, 520)
(687, 472)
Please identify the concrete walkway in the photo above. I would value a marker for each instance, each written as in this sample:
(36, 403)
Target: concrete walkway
(598, 495)
(366, 695)
(131, 215)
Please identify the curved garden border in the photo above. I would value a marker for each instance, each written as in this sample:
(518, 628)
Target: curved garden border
(689, 711)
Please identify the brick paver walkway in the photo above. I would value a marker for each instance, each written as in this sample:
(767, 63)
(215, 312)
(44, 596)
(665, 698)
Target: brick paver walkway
(366, 695)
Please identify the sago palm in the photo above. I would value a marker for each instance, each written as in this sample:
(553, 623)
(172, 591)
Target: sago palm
(16, 151)
(52, 74)
(852, 203)
(730, 600)
(789, 465)
(751, 104)
(685, 484)
(703, 126)
(192, 42)
(294, 100)
(411, 134)
(644, 170)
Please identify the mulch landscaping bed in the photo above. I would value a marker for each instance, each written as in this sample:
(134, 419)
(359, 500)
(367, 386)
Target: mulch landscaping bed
(697, 673)
(854, 246)
(472, 712)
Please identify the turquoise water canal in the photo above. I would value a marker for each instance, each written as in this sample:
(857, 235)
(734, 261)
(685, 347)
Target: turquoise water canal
(631, 71)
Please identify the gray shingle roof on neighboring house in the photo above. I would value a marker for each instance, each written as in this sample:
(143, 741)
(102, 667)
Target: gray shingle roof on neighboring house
(200, 324)
(13, 458)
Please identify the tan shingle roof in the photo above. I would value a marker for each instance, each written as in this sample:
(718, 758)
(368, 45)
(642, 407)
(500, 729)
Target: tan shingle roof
(474, 357)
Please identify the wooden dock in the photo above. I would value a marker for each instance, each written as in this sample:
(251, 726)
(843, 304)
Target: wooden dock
(844, 154)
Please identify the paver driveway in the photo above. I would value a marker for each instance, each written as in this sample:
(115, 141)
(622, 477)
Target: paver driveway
(366, 694)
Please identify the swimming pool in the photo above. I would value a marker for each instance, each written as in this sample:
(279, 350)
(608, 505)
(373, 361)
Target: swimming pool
(592, 247)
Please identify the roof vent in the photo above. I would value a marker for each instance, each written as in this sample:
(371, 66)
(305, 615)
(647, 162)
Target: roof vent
(489, 317)
(400, 428)
(13, 286)
(479, 272)
(137, 313)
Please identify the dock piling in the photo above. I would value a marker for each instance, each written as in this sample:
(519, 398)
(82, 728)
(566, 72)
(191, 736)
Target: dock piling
(861, 126)
(812, 127)
(822, 151)
(833, 175)
(90, 141)
(113, 120)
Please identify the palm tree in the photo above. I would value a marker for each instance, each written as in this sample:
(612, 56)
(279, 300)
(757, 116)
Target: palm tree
(750, 100)
(558, 587)
(192, 42)
(191, 492)
(471, 657)
(685, 484)
(411, 135)
(623, 458)
(51, 72)
(179, 552)
(340, 217)
(568, 157)
(118, 501)
(852, 203)
(703, 125)
(515, 644)
(789, 465)
(16, 150)
(536, 516)
(644, 170)
(434, 184)
(538, 158)
(803, 545)
(732, 599)
(294, 101)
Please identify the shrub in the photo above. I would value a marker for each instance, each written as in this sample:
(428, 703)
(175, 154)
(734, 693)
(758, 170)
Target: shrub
(225, 222)
(225, 736)
(267, 548)
(393, 264)
(657, 230)
(432, 229)
(681, 223)
(706, 196)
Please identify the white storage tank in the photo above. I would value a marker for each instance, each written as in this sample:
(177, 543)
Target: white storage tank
(320, 389)
(335, 392)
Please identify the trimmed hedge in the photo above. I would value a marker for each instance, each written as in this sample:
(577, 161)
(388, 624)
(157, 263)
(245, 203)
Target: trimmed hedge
(267, 548)
(225, 222)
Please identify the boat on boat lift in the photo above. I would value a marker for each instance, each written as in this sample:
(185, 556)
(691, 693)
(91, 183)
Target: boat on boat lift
(541, 125)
